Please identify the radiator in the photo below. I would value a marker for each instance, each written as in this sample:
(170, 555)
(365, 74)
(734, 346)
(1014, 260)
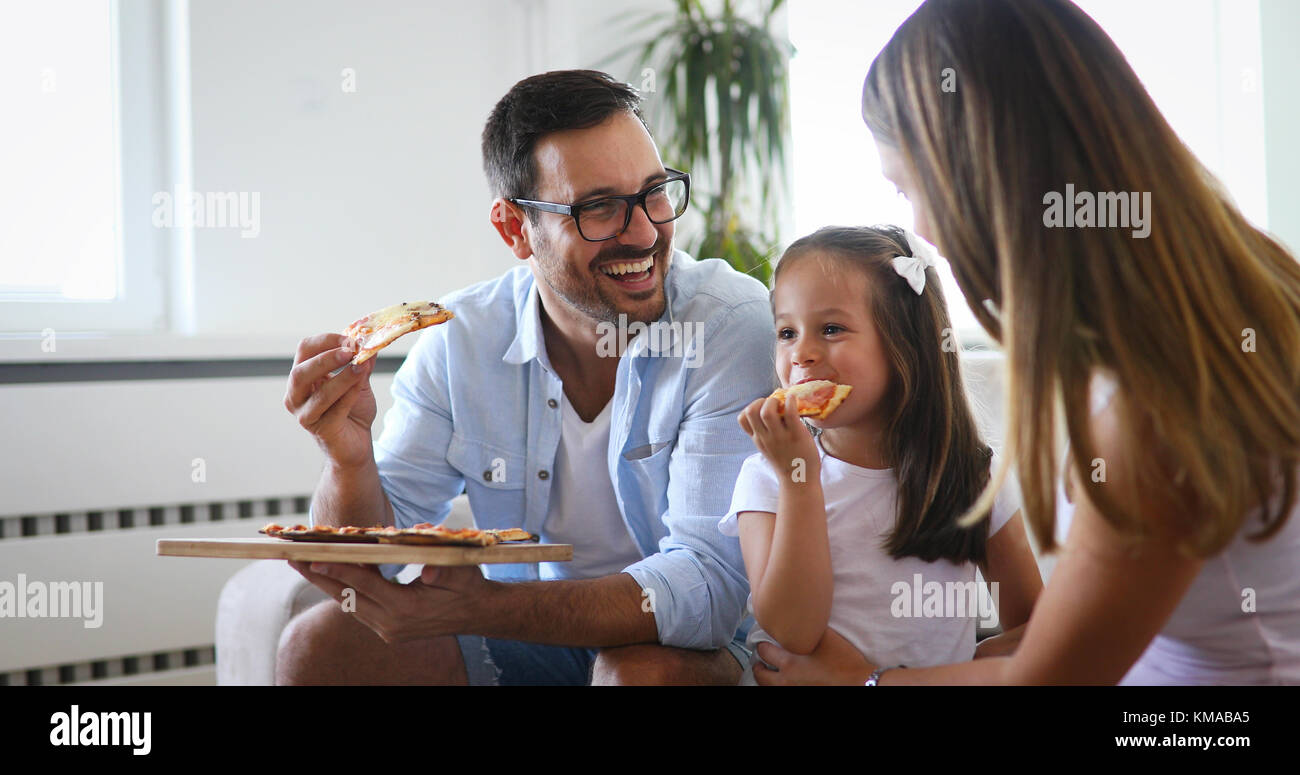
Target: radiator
(157, 612)
(94, 473)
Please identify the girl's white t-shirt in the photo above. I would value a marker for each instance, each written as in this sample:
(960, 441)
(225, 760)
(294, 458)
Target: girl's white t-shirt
(894, 611)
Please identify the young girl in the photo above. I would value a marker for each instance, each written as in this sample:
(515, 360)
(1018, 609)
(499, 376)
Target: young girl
(848, 529)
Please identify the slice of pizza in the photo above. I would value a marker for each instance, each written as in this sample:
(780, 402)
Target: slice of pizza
(513, 534)
(815, 399)
(280, 531)
(379, 329)
(330, 533)
(355, 531)
(425, 533)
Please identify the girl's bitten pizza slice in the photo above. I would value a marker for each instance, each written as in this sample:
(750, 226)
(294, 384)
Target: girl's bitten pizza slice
(379, 329)
(815, 399)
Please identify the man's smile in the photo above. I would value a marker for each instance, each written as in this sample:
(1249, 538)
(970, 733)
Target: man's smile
(627, 267)
(636, 275)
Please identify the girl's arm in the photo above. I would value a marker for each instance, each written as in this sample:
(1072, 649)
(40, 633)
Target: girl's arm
(787, 554)
(788, 560)
(1011, 565)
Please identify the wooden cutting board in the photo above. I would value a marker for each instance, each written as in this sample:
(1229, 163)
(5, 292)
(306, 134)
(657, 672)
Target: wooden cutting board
(373, 554)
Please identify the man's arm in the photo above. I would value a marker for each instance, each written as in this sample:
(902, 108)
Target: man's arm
(338, 412)
(457, 600)
(591, 613)
(350, 497)
(697, 581)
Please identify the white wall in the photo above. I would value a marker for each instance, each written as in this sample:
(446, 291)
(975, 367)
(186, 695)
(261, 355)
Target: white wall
(1280, 22)
(372, 197)
(378, 196)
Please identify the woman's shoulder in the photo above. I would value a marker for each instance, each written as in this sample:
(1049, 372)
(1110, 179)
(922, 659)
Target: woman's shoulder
(1129, 456)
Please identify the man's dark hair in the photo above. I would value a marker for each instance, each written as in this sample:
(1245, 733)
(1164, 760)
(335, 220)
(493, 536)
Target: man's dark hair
(537, 106)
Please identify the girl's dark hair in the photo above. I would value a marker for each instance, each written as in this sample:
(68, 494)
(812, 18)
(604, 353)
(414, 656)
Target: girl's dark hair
(931, 439)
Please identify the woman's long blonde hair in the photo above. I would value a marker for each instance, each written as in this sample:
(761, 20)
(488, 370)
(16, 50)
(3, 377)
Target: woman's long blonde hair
(992, 105)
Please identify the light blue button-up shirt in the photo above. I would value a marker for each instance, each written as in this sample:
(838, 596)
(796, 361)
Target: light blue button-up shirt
(476, 408)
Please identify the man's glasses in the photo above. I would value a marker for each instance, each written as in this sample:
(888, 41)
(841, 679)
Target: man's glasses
(609, 216)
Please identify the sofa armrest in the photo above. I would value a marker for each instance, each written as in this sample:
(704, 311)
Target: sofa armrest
(257, 603)
(254, 608)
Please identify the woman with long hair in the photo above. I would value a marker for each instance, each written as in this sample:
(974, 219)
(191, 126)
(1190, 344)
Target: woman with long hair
(1140, 314)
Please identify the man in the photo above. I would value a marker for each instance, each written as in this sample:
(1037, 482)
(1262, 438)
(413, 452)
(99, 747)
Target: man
(528, 402)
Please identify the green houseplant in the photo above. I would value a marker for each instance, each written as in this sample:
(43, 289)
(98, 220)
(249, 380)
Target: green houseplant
(717, 89)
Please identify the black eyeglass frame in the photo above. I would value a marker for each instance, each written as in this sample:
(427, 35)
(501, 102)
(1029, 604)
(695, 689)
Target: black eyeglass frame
(632, 201)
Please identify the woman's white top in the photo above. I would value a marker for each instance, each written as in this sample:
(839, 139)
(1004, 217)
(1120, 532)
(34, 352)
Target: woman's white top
(1239, 622)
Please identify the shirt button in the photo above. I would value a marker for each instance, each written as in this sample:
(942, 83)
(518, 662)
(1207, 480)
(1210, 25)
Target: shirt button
(551, 402)
(543, 475)
(487, 475)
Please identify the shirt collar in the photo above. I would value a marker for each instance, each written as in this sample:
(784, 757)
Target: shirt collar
(528, 343)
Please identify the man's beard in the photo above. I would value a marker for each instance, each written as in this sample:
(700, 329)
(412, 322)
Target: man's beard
(581, 290)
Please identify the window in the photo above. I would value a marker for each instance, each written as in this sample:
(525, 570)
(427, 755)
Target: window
(81, 149)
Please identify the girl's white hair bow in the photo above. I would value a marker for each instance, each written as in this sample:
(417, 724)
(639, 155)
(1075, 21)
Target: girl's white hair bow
(912, 268)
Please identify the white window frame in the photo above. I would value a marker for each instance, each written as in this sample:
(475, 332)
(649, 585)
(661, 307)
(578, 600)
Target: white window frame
(151, 119)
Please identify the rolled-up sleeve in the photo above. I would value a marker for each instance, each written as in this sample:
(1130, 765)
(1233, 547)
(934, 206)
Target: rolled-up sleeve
(697, 583)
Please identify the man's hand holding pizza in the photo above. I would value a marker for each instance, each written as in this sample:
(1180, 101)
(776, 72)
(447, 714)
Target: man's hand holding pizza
(337, 410)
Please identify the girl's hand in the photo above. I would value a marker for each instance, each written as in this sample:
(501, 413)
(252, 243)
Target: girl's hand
(784, 440)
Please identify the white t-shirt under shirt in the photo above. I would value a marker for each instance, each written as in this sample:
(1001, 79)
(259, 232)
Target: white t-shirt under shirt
(583, 510)
(894, 611)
